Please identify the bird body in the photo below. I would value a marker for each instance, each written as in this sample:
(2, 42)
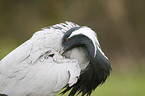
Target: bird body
(45, 64)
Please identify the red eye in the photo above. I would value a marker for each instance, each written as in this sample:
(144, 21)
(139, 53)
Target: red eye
(65, 39)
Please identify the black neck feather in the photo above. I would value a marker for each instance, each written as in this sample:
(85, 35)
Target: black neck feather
(94, 74)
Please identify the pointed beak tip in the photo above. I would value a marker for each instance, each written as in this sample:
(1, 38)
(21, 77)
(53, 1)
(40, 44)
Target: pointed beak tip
(61, 52)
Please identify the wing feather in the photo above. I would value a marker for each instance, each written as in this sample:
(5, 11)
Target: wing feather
(49, 75)
(46, 77)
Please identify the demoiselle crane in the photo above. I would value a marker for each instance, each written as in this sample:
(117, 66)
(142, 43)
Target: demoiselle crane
(64, 55)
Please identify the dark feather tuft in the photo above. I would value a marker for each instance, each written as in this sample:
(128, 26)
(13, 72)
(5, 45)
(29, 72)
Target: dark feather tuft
(95, 74)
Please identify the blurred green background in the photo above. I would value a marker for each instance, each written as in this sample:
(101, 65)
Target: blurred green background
(120, 25)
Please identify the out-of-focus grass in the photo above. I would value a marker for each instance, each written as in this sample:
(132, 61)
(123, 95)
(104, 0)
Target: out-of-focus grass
(128, 83)
(6, 46)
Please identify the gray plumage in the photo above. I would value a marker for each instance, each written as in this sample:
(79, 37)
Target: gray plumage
(38, 67)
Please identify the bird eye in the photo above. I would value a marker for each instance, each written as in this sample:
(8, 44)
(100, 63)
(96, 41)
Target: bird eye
(65, 39)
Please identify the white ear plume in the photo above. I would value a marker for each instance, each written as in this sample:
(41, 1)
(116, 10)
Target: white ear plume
(89, 33)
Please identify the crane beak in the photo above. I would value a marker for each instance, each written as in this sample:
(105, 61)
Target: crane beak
(61, 50)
